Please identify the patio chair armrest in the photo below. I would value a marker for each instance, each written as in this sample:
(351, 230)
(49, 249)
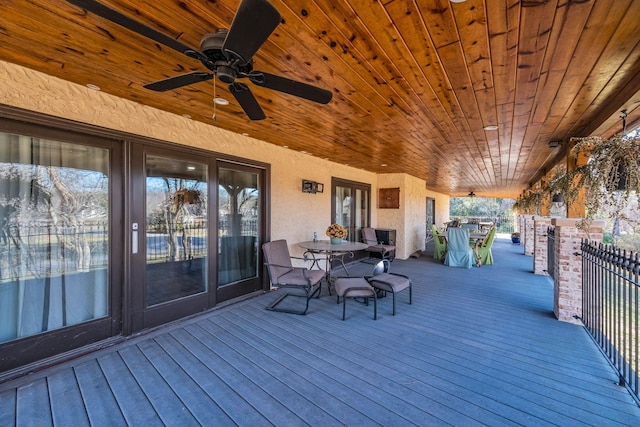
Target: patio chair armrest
(281, 266)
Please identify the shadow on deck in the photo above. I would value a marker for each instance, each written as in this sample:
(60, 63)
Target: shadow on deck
(477, 347)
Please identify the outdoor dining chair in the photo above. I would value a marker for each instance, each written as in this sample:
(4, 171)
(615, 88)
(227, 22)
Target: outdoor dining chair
(440, 244)
(298, 282)
(483, 249)
(459, 253)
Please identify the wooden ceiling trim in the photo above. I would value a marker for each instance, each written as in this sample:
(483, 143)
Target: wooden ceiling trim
(535, 28)
(474, 48)
(387, 47)
(410, 30)
(503, 20)
(595, 48)
(619, 63)
(317, 23)
(452, 60)
(471, 22)
(502, 23)
(438, 16)
(569, 22)
(565, 35)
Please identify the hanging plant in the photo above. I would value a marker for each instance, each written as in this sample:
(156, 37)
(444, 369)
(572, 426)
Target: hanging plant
(530, 202)
(610, 177)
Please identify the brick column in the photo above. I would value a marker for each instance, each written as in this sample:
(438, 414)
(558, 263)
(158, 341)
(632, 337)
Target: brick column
(567, 284)
(540, 246)
(527, 234)
(521, 228)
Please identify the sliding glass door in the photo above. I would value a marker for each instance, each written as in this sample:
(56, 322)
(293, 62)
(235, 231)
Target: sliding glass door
(169, 236)
(56, 245)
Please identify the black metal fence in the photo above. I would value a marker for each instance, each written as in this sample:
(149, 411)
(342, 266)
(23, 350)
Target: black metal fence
(611, 306)
(551, 253)
(40, 248)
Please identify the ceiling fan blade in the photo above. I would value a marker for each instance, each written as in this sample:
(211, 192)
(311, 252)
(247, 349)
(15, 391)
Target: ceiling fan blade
(179, 81)
(247, 101)
(255, 20)
(131, 24)
(292, 87)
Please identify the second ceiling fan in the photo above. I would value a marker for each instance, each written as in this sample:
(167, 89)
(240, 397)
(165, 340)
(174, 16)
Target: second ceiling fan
(227, 54)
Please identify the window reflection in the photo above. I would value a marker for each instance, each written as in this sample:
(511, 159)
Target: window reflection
(54, 212)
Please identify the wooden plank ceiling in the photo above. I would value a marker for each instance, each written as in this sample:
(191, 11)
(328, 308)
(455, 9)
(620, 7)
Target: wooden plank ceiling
(414, 82)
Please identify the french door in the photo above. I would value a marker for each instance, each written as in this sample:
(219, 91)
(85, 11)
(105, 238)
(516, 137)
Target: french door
(351, 206)
(169, 235)
(193, 243)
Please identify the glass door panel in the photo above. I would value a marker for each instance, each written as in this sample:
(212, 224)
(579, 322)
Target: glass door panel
(54, 239)
(362, 210)
(238, 225)
(344, 207)
(175, 229)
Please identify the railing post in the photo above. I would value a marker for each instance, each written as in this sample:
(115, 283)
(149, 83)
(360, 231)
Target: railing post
(540, 226)
(567, 283)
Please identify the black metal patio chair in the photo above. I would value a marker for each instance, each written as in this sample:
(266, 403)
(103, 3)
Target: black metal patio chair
(297, 282)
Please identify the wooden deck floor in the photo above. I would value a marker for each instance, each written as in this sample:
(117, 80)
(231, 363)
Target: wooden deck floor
(477, 347)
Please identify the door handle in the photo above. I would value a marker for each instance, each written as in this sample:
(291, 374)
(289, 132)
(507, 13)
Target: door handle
(134, 238)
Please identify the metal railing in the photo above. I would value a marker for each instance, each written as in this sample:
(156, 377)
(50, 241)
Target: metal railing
(40, 249)
(551, 253)
(503, 224)
(611, 307)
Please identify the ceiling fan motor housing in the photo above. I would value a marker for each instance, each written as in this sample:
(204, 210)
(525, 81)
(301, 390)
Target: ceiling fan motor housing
(211, 45)
(226, 74)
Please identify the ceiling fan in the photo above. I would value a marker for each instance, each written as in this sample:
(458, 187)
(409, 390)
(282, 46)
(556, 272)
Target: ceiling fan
(228, 54)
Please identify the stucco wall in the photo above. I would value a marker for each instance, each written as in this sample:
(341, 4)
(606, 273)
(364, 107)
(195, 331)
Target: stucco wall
(294, 215)
(409, 220)
(442, 207)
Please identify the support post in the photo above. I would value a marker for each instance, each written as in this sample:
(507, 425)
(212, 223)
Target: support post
(540, 247)
(567, 284)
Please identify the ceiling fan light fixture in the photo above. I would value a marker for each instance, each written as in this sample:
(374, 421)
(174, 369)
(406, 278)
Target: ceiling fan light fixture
(220, 101)
(491, 127)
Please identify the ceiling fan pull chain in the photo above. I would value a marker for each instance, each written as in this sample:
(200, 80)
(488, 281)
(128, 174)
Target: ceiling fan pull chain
(214, 97)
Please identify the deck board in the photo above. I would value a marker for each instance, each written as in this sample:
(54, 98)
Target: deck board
(102, 408)
(67, 405)
(226, 386)
(8, 407)
(476, 347)
(133, 403)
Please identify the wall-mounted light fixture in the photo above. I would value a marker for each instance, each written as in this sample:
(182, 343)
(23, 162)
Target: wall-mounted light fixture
(555, 144)
(312, 187)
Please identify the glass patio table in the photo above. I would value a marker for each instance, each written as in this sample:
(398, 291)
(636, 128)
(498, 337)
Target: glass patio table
(331, 251)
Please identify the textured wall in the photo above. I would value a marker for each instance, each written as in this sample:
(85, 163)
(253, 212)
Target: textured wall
(409, 220)
(294, 215)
